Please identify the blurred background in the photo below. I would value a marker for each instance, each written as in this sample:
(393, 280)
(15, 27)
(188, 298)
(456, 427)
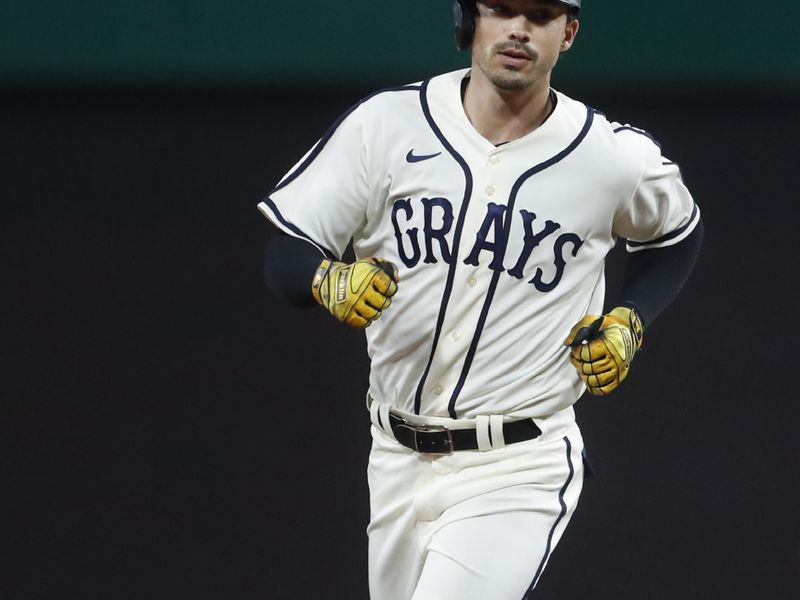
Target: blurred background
(169, 429)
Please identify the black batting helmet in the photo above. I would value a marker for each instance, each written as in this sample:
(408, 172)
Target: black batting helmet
(464, 17)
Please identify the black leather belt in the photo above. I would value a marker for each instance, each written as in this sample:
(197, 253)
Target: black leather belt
(436, 439)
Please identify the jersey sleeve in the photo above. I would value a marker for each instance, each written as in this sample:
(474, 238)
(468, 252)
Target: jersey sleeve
(323, 199)
(661, 211)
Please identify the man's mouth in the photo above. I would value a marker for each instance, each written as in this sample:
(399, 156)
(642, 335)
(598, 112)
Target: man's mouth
(516, 54)
(514, 58)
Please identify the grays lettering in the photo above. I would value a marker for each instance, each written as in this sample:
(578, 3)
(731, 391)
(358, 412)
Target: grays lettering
(560, 263)
(492, 220)
(431, 234)
(404, 204)
(436, 220)
(531, 240)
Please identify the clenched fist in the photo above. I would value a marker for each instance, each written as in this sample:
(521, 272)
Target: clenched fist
(603, 348)
(355, 293)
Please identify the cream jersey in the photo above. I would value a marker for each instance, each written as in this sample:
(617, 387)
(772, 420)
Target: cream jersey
(500, 249)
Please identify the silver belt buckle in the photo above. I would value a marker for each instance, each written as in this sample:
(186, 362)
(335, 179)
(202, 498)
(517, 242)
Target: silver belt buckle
(428, 448)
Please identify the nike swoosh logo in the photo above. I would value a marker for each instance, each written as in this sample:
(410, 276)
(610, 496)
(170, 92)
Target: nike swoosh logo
(412, 158)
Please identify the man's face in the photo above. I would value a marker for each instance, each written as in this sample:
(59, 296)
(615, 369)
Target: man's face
(517, 42)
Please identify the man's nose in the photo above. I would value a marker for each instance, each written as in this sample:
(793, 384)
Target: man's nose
(519, 30)
(522, 37)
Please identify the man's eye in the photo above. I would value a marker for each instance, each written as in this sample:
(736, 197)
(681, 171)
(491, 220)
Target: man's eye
(501, 9)
(541, 15)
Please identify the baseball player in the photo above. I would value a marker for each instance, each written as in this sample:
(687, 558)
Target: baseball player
(481, 205)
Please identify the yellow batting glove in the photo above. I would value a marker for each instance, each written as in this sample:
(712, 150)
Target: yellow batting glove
(603, 348)
(355, 293)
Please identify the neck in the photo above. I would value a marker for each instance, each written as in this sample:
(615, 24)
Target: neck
(505, 115)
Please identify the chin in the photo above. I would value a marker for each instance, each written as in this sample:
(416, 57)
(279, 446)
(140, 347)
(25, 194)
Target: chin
(510, 81)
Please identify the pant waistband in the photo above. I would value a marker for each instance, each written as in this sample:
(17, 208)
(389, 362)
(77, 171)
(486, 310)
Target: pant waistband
(486, 432)
(437, 439)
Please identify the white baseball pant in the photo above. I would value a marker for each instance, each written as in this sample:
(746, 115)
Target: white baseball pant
(472, 525)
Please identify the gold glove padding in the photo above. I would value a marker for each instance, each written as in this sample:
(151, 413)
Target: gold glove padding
(355, 293)
(603, 348)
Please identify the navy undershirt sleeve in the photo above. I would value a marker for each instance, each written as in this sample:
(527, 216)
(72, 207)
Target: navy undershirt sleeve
(289, 267)
(654, 277)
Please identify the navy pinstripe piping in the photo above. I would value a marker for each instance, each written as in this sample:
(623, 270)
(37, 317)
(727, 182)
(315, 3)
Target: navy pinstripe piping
(292, 227)
(646, 134)
(669, 236)
(473, 347)
(563, 512)
(331, 130)
(313, 155)
(448, 288)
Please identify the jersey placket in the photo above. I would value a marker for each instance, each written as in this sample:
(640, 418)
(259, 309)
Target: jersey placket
(470, 287)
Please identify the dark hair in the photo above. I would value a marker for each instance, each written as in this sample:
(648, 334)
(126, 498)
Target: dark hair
(572, 13)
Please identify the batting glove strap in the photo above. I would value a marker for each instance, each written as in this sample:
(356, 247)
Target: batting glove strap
(356, 293)
(319, 276)
(602, 348)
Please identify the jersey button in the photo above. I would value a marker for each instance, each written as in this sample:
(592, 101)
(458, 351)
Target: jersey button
(489, 190)
(456, 335)
(472, 282)
(494, 159)
(437, 389)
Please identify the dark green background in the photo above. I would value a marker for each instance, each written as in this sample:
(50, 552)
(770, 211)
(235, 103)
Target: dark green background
(170, 430)
(263, 43)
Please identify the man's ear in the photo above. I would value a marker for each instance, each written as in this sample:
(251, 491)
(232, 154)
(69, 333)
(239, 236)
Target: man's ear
(570, 31)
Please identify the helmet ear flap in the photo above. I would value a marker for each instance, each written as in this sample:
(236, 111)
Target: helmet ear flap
(464, 20)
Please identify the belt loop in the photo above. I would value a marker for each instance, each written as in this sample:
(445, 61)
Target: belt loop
(383, 413)
(482, 433)
(374, 407)
(496, 429)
